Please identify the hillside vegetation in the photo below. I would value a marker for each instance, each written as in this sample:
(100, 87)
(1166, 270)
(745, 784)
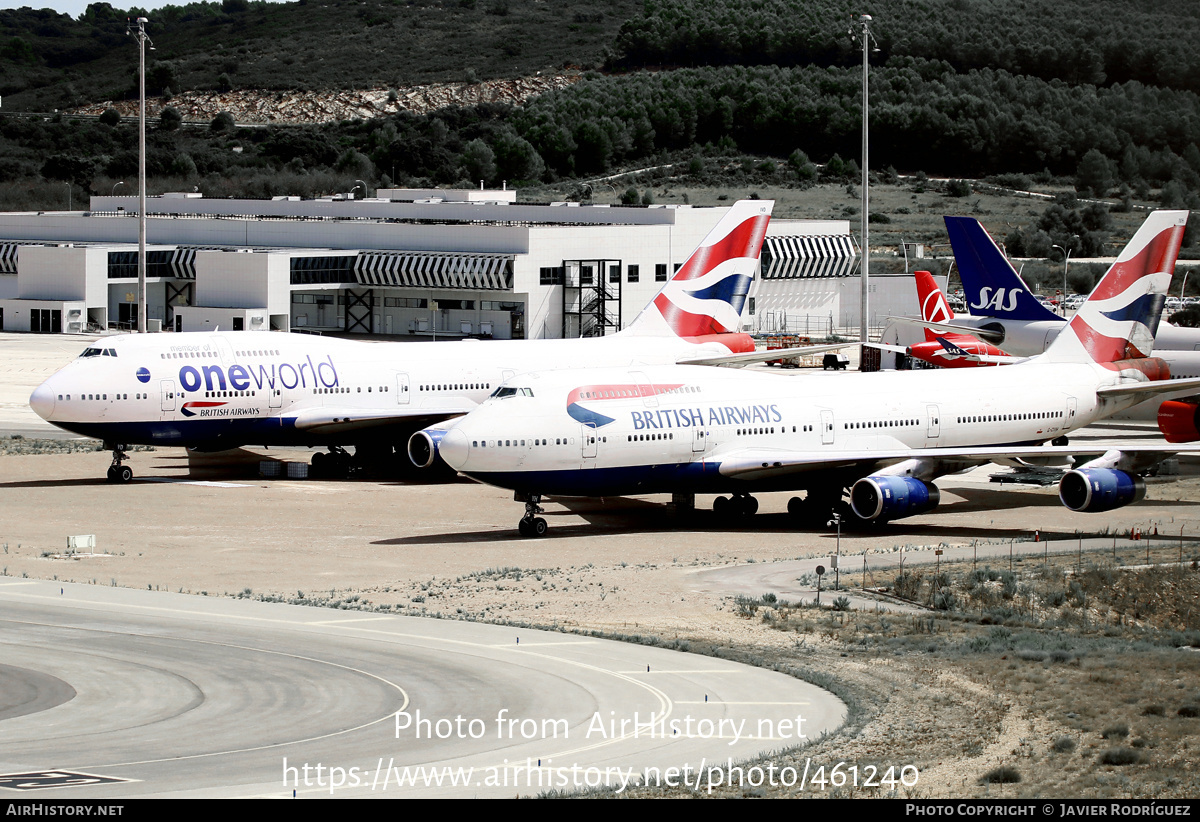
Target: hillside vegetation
(1096, 96)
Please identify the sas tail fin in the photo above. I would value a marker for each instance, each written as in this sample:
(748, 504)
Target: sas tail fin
(934, 308)
(992, 286)
(1120, 318)
(707, 293)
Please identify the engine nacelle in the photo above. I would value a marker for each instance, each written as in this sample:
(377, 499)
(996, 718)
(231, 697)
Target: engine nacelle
(423, 446)
(1092, 490)
(1179, 421)
(883, 498)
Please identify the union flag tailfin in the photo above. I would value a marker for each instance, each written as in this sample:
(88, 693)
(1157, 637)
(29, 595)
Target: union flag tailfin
(707, 293)
(1120, 318)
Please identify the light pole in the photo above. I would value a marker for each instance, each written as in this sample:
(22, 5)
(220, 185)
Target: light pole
(114, 191)
(138, 30)
(865, 20)
(1066, 259)
(70, 194)
(364, 188)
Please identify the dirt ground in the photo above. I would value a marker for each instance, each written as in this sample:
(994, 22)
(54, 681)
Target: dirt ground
(624, 567)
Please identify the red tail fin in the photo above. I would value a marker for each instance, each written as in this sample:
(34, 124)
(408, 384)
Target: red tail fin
(934, 308)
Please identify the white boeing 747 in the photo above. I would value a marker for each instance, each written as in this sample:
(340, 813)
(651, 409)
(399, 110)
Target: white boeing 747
(884, 437)
(218, 390)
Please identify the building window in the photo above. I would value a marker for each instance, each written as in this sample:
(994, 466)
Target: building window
(586, 275)
(552, 275)
(632, 275)
(614, 273)
(660, 273)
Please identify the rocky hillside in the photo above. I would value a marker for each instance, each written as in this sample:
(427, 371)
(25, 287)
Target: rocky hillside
(250, 107)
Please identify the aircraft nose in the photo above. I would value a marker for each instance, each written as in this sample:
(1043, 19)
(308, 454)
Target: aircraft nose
(453, 448)
(42, 400)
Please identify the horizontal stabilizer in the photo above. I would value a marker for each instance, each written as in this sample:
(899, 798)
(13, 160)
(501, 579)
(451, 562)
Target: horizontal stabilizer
(984, 334)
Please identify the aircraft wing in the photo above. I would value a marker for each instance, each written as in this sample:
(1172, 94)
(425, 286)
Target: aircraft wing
(951, 328)
(1148, 389)
(895, 349)
(332, 420)
(764, 463)
(752, 357)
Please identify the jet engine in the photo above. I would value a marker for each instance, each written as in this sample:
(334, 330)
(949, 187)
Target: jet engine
(883, 498)
(1092, 490)
(1179, 421)
(424, 447)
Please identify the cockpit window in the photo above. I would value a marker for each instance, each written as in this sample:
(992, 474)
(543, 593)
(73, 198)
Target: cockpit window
(91, 352)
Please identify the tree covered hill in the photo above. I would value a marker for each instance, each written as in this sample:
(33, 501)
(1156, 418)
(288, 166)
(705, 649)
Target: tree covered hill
(49, 60)
(1094, 90)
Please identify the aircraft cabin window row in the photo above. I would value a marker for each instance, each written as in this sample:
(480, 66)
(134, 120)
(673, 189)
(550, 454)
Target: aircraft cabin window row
(881, 424)
(536, 442)
(62, 397)
(649, 437)
(471, 386)
(1038, 415)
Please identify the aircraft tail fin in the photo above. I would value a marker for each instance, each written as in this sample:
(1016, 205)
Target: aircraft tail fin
(934, 308)
(992, 286)
(708, 291)
(1120, 318)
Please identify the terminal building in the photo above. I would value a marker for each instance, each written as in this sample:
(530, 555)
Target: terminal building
(406, 263)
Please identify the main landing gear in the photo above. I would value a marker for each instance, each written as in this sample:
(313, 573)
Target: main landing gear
(739, 505)
(531, 525)
(117, 472)
(334, 464)
(816, 510)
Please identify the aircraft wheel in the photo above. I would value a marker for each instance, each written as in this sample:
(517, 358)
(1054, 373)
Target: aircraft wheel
(796, 507)
(721, 506)
(124, 473)
(112, 473)
(749, 506)
(539, 527)
(523, 527)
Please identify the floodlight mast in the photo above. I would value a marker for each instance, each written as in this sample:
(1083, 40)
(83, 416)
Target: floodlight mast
(865, 20)
(138, 30)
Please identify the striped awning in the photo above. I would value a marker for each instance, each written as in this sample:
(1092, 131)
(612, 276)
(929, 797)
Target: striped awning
(809, 256)
(475, 272)
(8, 257)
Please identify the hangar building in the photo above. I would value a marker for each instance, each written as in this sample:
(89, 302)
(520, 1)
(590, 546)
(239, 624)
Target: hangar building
(408, 262)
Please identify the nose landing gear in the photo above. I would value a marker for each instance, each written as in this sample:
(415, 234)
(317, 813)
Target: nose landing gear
(531, 525)
(117, 472)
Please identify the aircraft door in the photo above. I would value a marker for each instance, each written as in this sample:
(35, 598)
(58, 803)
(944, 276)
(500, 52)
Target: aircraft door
(224, 349)
(1069, 418)
(934, 427)
(588, 432)
(403, 396)
(827, 428)
(168, 395)
(649, 398)
(699, 440)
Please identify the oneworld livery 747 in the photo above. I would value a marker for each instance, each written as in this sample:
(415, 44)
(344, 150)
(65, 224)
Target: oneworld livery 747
(883, 437)
(226, 389)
